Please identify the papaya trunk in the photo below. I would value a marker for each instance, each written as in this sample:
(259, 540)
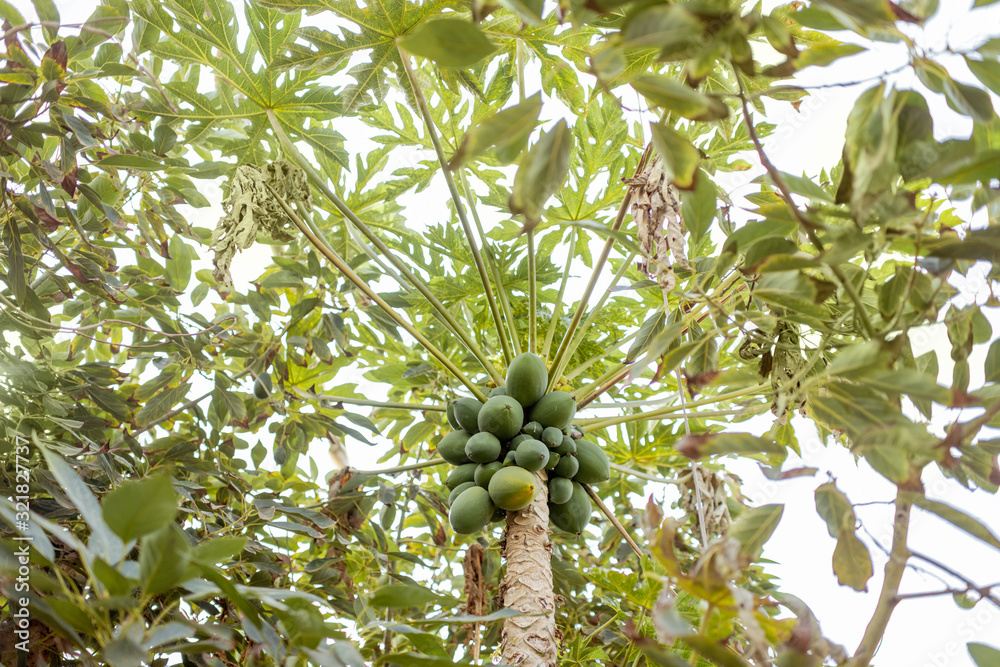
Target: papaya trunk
(529, 641)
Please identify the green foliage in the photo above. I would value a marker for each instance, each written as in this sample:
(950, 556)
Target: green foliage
(162, 427)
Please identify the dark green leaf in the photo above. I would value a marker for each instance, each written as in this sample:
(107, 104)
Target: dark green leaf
(396, 596)
(507, 131)
(680, 157)
(140, 507)
(662, 91)
(959, 519)
(449, 42)
(541, 173)
(163, 559)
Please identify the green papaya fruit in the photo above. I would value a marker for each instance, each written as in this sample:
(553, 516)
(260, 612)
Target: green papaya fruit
(518, 439)
(485, 472)
(531, 455)
(467, 414)
(554, 409)
(551, 436)
(262, 386)
(498, 391)
(510, 459)
(457, 491)
(452, 448)
(527, 378)
(560, 490)
(512, 488)
(594, 464)
(573, 515)
(567, 446)
(533, 429)
(471, 511)
(450, 412)
(553, 461)
(280, 455)
(568, 466)
(461, 474)
(482, 447)
(502, 416)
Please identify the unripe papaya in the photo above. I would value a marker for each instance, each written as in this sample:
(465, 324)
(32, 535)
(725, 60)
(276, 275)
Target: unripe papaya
(510, 459)
(567, 446)
(512, 488)
(452, 448)
(457, 491)
(482, 447)
(527, 378)
(485, 472)
(554, 409)
(551, 436)
(518, 439)
(502, 416)
(560, 490)
(573, 515)
(450, 412)
(498, 391)
(533, 429)
(568, 466)
(471, 511)
(262, 386)
(532, 455)
(594, 464)
(553, 461)
(461, 474)
(467, 414)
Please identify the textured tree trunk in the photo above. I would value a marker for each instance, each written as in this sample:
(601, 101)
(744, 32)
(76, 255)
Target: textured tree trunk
(530, 641)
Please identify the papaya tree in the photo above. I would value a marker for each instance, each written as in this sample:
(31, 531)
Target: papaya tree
(496, 248)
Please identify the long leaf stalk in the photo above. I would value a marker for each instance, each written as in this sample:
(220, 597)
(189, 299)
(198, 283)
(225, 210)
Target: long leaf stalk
(346, 211)
(349, 273)
(605, 253)
(651, 478)
(582, 331)
(600, 356)
(403, 468)
(364, 402)
(456, 198)
(656, 414)
(532, 295)
(557, 307)
(508, 311)
(613, 519)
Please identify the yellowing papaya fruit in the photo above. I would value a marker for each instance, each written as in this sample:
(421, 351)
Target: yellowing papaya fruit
(527, 378)
(452, 448)
(471, 511)
(573, 515)
(531, 455)
(502, 416)
(556, 409)
(461, 474)
(594, 464)
(482, 447)
(512, 488)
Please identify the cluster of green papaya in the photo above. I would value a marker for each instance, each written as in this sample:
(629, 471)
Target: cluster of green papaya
(499, 446)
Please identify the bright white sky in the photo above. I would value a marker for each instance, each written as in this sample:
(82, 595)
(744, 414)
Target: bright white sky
(929, 632)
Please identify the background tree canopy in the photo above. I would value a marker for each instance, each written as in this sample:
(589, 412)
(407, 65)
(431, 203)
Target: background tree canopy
(161, 429)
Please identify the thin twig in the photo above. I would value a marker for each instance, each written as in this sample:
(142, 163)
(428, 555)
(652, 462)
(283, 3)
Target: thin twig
(652, 478)
(404, 468)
